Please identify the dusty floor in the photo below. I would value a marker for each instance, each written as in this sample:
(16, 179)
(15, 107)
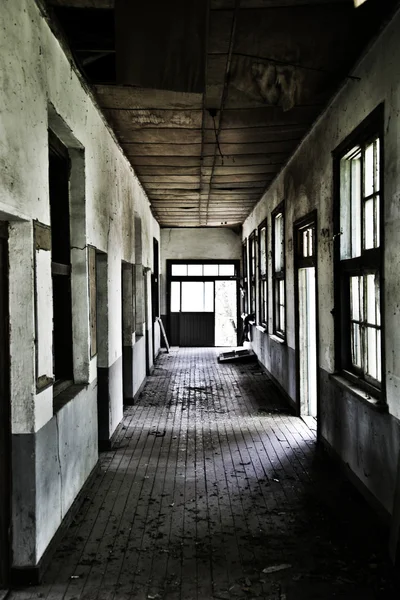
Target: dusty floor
(211, 484)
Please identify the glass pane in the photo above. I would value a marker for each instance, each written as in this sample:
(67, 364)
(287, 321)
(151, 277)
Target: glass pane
(371, 352)
(175, 296)
(209, 296)
(355, 298)
(377, 221)
(377, 300)
(377, 165)
(279, 242)
(192, 296)
(311, 242)
(378, 356)
(355, 206)
(264, 301)
(282, 305)
(195, 270)
(369, 224)
(263, 251)
(178, 270)
(371, 300)
(356, 345)
(369, 170)
(229, 269)
(210, 270)
(305, 244)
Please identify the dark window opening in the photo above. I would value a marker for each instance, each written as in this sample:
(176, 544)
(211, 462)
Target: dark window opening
(59, 169)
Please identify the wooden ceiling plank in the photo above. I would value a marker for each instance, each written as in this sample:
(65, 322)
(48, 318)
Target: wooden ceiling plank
(148, 118)
(165, 161)
(256, 148)
(266, 116)
(127, 97)
(162, 149)
(242, 170)
(159, 136)
(178, 180)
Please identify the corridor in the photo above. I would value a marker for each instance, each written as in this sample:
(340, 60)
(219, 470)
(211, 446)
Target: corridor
(213, 490)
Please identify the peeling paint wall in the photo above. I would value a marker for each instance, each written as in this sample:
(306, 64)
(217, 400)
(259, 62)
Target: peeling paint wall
(365, 440)
(39, 89)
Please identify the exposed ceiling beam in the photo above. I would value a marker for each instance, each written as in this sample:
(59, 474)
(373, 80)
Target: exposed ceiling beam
(216, 4)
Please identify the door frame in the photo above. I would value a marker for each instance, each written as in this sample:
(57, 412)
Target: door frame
(309, 219)
(6, 460)
(203, 261)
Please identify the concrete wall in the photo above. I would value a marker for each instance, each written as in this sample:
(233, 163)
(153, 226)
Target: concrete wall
(364, 439)
(57, 445)
(201, 243)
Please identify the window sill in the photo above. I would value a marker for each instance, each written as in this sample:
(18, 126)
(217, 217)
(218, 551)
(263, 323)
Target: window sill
(356, 391)
(66, 395)
(277, 339)
(262, 328)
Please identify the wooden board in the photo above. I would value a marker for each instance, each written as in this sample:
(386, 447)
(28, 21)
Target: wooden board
(161, 324)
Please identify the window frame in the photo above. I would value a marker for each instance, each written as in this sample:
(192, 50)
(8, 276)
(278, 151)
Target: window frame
(253, 273)
(278, 276)
(61, 268)
(263, 277)
(368, 262)
(244, 279)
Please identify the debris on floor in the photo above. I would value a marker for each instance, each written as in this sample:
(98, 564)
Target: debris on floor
(239, 355)
(214, 491)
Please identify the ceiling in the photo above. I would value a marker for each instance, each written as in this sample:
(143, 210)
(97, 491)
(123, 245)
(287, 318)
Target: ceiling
(205, 159)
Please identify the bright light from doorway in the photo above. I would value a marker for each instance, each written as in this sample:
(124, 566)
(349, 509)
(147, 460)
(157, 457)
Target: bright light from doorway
(359, 2)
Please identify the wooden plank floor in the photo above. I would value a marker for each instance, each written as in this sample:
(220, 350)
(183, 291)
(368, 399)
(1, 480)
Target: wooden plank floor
(212, 481)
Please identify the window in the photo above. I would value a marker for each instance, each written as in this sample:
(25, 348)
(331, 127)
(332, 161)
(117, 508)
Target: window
(203, 270)
(358, 272)
(245, 282)
(192, 296)
(59, 169)
(252, 271)
(155, 278)
(262, 274)
(278, 270)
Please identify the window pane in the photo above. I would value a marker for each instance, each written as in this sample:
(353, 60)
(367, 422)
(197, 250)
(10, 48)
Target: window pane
(377, 221)
(209, 296)
(195, 270)
(371, 300)
(371, 352)
(305, 244)
(279, 242)
(355, 298)
(178, 270)
(263, 251)
(369, 224)
(175, 296)
(192, 296)
(311, 242)
(369, 170)
(282, 305)
(210, 270)
(378, 356)
(355, 199)
(228, 269)
(356, 345)
(377, 165)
